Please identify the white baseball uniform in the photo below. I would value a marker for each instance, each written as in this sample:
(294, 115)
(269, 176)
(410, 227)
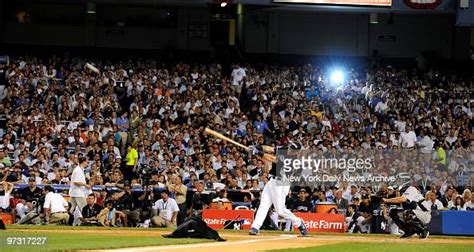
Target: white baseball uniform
(274, 194)
(413, 195)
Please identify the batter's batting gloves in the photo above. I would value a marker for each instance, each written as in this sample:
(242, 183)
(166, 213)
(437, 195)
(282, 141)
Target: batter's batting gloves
(256, 150)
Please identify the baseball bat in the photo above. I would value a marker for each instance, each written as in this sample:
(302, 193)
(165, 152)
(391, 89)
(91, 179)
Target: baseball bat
(92, 68)
(214, 133)
(228, 224)
(220, 136)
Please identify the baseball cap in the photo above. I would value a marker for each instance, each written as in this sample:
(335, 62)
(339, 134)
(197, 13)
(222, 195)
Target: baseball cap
(48, 188)
(302, 190)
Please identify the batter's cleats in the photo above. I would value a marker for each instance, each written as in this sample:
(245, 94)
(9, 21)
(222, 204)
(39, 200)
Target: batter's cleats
(407, 235)
(424, 234)
(253, 231)
(303, 229)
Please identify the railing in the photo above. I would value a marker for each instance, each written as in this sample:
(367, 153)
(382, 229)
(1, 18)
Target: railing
(62, 187)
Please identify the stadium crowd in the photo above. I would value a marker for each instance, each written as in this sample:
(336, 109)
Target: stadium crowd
(129, 140)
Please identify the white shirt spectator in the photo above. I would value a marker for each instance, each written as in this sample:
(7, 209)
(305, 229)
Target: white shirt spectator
(55, 202)
(170, 206)
(5, 201)
(77, 176)
(428, 204)
(451, 139)
(8, 146)
(426, 145)
(381, 107)
(400, 125)
(407, 139)
(237, 75)
(348, 196)
(470, 205)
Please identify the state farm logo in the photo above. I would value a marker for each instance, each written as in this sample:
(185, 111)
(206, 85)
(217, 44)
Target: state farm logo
(423, 4)
(322, 224)
(215, 221)
(222, 221)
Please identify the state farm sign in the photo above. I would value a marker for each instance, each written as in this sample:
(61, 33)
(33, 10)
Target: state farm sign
(217, 218)
(318, 222)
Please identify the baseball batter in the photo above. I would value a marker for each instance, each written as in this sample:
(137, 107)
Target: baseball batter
(274, 193)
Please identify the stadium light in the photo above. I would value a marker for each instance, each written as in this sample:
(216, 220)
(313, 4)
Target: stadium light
(223, 4)
(337, 78)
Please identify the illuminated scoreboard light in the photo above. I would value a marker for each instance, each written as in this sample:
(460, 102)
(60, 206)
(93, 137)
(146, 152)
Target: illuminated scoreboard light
(340, 2)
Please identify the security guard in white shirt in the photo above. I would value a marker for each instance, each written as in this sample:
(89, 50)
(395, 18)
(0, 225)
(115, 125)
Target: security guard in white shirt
(55, 207)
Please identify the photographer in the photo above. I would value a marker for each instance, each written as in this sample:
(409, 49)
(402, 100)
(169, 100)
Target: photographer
(157, 180)
(165, 211)
(130, 204)
(90, 212)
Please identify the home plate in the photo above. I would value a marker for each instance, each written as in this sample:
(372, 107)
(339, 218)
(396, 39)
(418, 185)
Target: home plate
(289, 235)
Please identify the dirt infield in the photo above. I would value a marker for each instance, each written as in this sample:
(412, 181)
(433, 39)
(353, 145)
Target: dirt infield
(243, 242)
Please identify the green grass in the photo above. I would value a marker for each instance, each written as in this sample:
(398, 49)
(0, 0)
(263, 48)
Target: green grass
(385, 247)
(75, 241)
(71, 238)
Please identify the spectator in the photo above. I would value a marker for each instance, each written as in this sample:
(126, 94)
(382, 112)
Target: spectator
(458, 204)
(199, 201)
(350, 195)
(5, 194)
(365, 210)
(466, 195)
(78, 187)
(321, 198)
(122, 134)
(221, 196)
(340, 201)
(302, 204)
(30, 208)
(180, 191)
(90, 212)
(4, 158)
(448, 197)
(55, 207)
(108, 215)
(408, 138)
(469, 205)
(166, 211)
(332, 211)
(431, 202)
(353, 219)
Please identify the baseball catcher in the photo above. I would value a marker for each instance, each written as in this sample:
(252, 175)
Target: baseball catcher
(414, 217)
